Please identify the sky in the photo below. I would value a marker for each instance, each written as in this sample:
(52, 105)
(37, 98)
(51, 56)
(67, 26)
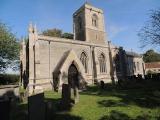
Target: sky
(123, 18)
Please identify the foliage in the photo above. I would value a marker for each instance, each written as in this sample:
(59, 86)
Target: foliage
(53, 32)
(9, 49)
(57, 33)
(150, 33)
(6, 79)
(67, 35)
(151, 56)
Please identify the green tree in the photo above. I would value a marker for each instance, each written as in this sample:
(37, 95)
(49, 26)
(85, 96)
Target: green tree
(53, 32)
(57, 33)
(67, 35)
(151, 56)
(150, 33)
(9, 49)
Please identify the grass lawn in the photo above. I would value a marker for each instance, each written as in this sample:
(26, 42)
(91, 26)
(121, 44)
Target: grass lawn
(112, 104)
(108, 104)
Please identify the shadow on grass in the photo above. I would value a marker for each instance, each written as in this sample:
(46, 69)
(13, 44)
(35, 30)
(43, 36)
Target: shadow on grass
(66, 117)
(11, 108)
(116, 115)
(56, 105)
(142, 97)
(111, 103)
(19, 111)
(55, 110)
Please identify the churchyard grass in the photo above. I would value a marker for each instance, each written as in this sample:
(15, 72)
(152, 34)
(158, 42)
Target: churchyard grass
(108, 104)
(111, 104)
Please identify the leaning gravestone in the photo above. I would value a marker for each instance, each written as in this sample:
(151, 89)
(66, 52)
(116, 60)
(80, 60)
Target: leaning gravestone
(36, 107)
(66, 96)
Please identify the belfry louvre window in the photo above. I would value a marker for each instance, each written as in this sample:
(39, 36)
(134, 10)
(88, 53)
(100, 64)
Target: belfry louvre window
(95, 20)
(102, 63)
(84, 61)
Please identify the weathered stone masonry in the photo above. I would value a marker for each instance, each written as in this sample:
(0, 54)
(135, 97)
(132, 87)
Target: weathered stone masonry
(46, 60)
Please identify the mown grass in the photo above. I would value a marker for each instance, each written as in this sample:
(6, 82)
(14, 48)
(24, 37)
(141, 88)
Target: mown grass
(113, 104)
(110, 103)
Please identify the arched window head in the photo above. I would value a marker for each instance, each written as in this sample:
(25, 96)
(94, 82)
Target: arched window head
(95, 20)
(80, 22)
(102, 63)
(84, 61)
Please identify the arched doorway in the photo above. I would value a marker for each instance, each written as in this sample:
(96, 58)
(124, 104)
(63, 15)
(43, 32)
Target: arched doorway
(73, 76)
(73, 81)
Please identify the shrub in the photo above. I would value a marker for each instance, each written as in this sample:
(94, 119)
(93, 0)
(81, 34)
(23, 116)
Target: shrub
(6, 79)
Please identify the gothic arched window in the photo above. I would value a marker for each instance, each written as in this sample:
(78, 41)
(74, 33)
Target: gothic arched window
(95, 20)
(84, 61)
(102, 63)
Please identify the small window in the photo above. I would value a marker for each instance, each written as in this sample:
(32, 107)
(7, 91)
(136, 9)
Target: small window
(96, 37)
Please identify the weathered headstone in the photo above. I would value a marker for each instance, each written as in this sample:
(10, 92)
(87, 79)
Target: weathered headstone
(4, 109)
(76, 95)
(36, 107)
(66, 96)
(102, 84)
(49, 110)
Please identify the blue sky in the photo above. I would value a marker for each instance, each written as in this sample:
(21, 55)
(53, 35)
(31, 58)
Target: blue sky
(123, 18)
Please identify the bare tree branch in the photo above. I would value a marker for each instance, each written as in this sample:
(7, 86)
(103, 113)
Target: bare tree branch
(150, 33)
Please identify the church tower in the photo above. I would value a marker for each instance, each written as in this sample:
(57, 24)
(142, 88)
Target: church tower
(89, 24)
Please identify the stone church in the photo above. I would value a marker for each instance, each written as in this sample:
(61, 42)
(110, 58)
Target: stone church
(87, 59)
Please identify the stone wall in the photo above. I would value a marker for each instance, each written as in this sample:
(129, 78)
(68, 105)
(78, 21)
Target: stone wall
(9, 91)
(50, 51)
(48, 58)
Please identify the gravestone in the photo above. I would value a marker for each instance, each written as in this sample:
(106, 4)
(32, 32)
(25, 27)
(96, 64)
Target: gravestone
(76, 95)
(4, 109)
(66, 96)
(49, 109)
(102, 84)
(36, 107)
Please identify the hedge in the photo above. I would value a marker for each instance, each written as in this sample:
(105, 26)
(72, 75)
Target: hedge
(6, 79)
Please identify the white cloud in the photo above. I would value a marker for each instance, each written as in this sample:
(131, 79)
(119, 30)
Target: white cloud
(114, 30)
